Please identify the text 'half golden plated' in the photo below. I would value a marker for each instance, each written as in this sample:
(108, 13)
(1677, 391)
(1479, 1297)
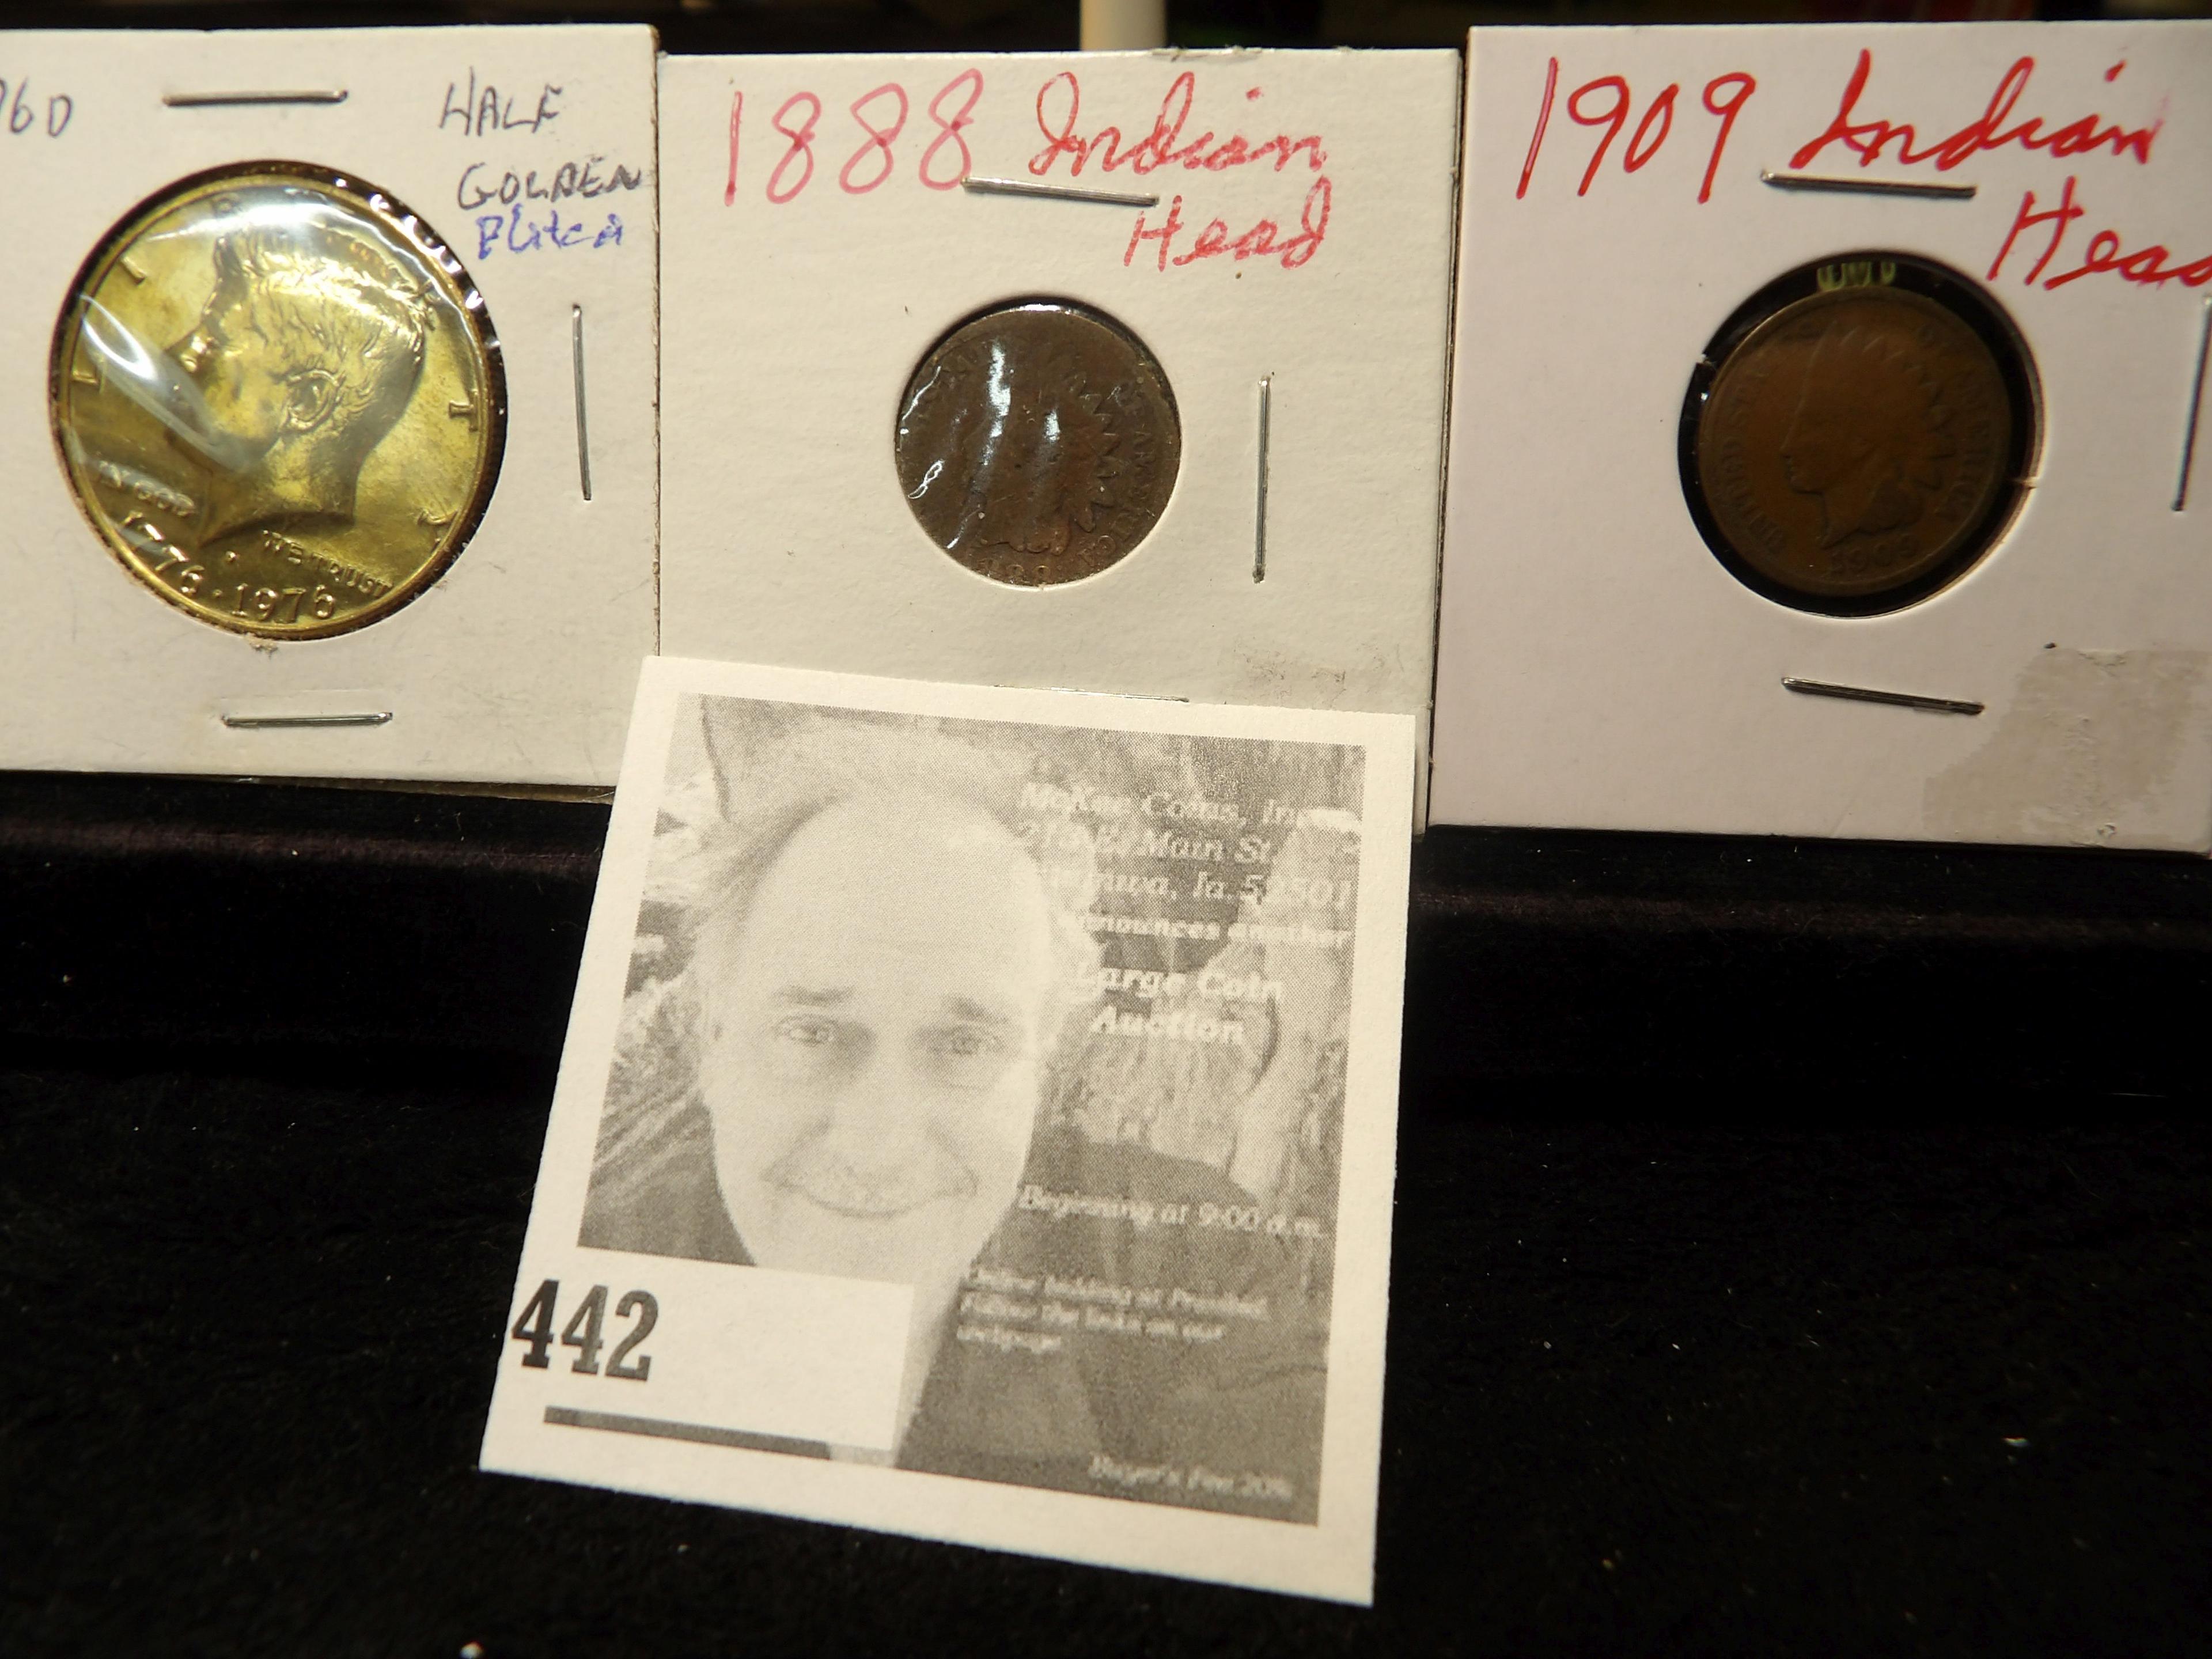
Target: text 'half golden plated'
(1038, 443)
(1855, 438)
(279, 400)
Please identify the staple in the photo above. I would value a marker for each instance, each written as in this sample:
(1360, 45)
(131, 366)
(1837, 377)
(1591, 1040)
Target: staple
(1056, 192)
(2196, 406)
(1078, 691)
(1259, 503)
(1867, 187)
(583, 432)
(219, 100)
(1895, 699)
(272, 722)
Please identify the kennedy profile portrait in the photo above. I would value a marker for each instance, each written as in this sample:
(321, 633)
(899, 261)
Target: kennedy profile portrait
(886, 1021)
(306, 353)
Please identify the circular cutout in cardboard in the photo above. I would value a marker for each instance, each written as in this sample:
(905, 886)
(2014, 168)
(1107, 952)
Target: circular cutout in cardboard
(1858, 434)
(278, 399)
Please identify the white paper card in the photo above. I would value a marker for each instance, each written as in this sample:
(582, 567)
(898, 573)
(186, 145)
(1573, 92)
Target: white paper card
(977, 1122)
(1598, 666)
(760, 1353)
(1300, 233)
(529, 153)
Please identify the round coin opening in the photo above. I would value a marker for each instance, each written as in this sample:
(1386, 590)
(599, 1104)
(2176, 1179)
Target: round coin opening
(278, 399)
(1859, 434)
(1037, 443)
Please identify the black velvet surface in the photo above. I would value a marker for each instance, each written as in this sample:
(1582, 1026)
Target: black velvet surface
(1798, 1249)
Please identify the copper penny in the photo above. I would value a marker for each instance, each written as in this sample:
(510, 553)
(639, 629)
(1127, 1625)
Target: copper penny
(1855, 444)
(1037, 443)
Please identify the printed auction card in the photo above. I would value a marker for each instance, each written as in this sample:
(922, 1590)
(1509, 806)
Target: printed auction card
(977, 1122)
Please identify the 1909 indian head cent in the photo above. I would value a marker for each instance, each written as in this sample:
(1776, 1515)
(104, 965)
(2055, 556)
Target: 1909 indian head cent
(1038, 442)
(1857, 436)
(278, 400)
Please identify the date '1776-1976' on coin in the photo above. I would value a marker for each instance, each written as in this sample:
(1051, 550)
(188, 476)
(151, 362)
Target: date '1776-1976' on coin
(1037, 443)
(278, 400)
(1859, 434)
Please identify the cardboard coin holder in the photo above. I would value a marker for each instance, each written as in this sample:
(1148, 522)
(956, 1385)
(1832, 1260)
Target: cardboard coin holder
(529, 154)
(818, 241)
(1624, 192)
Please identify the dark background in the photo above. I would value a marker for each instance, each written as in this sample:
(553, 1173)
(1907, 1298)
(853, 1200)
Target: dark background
(1800, 1248)
(702, 26)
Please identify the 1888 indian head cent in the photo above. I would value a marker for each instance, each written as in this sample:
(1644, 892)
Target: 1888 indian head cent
(1857, 437)
(1038, 443)
(278, 400)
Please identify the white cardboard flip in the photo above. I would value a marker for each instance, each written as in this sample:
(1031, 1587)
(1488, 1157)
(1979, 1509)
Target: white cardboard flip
(517, 666)
(1599, 667)
(790, 330)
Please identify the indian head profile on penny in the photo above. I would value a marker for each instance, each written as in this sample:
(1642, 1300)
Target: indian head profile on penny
(1868, 435)
(278, 400)
(1855, 446)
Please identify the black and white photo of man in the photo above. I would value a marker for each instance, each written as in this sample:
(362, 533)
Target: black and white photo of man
(864, 1041)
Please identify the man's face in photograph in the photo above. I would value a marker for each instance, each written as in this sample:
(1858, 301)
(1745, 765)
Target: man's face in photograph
(873, 1041)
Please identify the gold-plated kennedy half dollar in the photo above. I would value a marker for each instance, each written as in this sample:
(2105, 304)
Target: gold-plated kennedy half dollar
(278, 399)
(1038, 442)
(1857, 437)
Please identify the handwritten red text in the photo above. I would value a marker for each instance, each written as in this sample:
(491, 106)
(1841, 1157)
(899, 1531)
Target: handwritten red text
(885, 115)
(1605, 102)
(2105, 254)
(1060, 107)
(1986, 131)
(1215, 242)
(881, 114)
